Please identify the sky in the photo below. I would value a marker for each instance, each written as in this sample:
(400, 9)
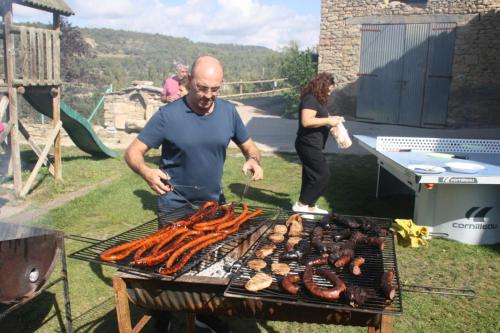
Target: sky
(269, 23)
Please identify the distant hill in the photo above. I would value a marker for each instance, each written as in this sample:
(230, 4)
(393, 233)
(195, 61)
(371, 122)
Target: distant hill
(123, 56)
(120, 57)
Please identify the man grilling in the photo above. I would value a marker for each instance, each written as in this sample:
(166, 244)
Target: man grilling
(194, 133)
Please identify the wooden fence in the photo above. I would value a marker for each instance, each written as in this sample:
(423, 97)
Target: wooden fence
(243, 94)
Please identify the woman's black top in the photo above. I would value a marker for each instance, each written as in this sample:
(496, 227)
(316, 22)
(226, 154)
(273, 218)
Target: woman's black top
(315, 137)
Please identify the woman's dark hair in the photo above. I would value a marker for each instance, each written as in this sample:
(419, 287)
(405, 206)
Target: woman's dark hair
(318, 87)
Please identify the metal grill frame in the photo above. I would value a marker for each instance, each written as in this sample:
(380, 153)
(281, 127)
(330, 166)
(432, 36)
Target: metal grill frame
(196, 264)
(369, 279)
(438, 145)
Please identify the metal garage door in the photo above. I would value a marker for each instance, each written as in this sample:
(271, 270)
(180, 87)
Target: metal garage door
(405, 73)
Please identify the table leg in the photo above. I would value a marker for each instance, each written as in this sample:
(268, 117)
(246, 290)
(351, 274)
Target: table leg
(385, 326)
(190, 326)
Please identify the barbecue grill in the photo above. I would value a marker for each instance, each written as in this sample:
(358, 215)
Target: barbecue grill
(376, 263)
(199, 262)
(201, 288)
(27, 258)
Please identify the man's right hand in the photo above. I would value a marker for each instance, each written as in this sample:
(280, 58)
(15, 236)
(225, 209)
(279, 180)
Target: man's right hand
(156, 179)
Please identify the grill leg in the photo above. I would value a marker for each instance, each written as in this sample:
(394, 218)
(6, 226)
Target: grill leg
(384, 327)
(67, 304)
(123, 308)
(190, 327)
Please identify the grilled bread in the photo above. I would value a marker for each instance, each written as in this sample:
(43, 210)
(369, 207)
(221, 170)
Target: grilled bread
(258, 282)
(257, 264)
(280, 268)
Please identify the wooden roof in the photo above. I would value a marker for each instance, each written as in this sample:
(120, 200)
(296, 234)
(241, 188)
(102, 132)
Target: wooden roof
(54, 6)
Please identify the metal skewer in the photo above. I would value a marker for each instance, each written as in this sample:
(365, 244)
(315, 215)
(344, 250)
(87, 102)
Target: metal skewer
(466, 292)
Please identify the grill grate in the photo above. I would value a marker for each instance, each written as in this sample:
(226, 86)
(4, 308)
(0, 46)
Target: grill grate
(376, 263)
(197, 263)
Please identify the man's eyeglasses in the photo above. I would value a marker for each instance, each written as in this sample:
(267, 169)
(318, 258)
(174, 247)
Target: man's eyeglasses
(204, 89)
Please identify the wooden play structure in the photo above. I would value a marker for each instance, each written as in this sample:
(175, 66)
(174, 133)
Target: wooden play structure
(32, 67)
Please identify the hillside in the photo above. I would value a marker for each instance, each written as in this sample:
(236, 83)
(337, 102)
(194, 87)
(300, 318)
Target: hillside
(123, 56)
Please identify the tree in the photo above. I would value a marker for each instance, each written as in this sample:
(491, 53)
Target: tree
(74, 51)
(298, 67)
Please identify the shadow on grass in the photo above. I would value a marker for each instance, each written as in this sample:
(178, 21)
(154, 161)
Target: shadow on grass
(148, 200)
(97, 270)
(33, 315)
(263, 196)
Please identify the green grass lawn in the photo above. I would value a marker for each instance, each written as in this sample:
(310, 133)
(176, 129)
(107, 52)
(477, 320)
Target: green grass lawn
(122, 200)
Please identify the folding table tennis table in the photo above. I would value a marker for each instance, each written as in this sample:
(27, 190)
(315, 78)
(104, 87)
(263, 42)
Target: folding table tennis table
(466, 206)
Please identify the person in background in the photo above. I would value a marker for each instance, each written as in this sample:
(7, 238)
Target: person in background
(171, 88)
(314, 128)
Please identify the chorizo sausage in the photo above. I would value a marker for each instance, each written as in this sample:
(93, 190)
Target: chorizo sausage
(289, 283)
(355, 264)
(386, 284)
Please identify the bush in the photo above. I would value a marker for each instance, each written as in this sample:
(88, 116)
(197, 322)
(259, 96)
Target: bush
(298, 67)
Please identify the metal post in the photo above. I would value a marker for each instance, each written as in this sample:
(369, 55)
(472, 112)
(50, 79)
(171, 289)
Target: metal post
(56, 111)
(64, 273)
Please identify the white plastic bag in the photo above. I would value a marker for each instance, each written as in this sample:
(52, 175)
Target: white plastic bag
(341, 135)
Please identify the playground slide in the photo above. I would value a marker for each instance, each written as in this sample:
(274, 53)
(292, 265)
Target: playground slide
(77, 127)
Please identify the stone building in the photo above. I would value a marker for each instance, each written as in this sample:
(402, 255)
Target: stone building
(426, 63)
(130, 108)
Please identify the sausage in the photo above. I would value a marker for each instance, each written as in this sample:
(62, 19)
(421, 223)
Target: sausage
(206, 211)
(317, 233)
(326, 222)
(323, 293)
(318, 245)
(355, 263)
(289, 283)
(186, 247)
(358, 237)
(211, 225)
(164, 253)
(386, 284)
(345, 221)
(165, 240)
(302, 249)
(232, 222)
(211, 239)
(196, 245)
(342, 261)
(124, 250)
(341, 235)
(376, 241)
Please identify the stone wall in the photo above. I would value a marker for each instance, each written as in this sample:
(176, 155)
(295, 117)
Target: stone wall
(475, 87)
(130, 108)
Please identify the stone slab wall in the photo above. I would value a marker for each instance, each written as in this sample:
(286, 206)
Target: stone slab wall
(475, 88)
(130, 107)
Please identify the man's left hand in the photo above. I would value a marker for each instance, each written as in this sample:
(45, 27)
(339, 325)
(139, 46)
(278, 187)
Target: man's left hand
(253, 166)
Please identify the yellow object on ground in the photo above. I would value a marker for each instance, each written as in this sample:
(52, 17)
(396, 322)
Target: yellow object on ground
(410, 234)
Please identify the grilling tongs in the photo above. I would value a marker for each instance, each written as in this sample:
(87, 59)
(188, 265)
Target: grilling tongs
(247, 184)
(173, 186)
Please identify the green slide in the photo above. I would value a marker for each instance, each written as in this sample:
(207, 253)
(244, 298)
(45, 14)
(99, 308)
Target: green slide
(77, 127)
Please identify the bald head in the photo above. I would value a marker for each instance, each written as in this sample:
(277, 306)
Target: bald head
(206, 81)
(207, 65)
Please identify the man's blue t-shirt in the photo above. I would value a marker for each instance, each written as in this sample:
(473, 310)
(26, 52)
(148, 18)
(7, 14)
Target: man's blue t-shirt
(193, 147)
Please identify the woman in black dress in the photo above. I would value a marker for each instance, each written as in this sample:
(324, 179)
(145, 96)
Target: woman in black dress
(314, 126)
